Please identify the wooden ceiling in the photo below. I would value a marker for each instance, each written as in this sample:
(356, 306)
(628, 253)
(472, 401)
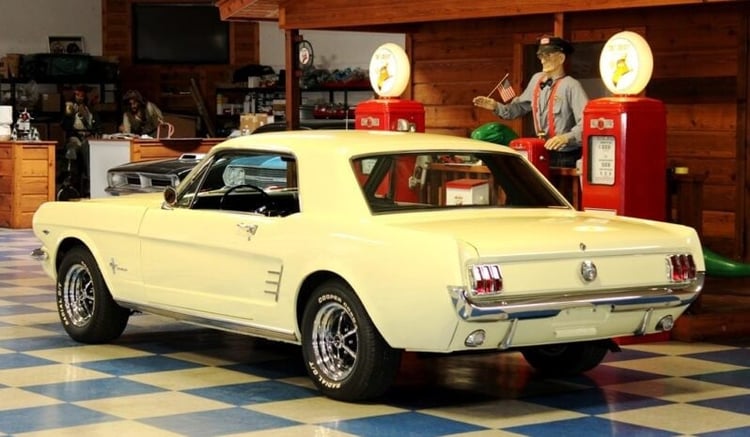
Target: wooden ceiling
(249, 10)
(343, 14)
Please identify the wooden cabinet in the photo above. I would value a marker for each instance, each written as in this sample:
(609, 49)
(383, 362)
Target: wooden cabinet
(27, 179)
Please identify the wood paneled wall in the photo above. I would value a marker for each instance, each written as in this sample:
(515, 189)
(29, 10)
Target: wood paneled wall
(697, 57)
(160, 83)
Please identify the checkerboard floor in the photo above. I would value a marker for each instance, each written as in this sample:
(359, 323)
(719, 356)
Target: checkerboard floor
(162, 378)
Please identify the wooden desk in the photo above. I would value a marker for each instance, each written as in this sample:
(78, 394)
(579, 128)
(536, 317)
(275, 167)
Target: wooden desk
(27, 179)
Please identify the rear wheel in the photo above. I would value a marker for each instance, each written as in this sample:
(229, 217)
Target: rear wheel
(86, 308)
(344, 353)
(567, 358)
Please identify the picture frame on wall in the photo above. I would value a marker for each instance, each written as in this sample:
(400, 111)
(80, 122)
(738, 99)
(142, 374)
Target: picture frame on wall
(70, 45)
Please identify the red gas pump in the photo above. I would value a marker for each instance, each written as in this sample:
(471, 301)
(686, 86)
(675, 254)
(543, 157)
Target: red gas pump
(625, 141)
(625, 157)
(533, 149)
(394, 114)
(625, 137)
(389, 75)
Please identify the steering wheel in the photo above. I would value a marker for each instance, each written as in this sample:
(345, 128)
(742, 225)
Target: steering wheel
(267, 201)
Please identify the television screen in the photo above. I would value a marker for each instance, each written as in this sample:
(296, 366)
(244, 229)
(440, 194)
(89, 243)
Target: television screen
(179, 34)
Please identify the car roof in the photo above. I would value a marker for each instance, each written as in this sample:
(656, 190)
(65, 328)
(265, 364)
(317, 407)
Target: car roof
(351, 143)
(328, 185)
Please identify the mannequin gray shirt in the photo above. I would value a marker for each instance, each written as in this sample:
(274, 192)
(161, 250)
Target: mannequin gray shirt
(570, 99)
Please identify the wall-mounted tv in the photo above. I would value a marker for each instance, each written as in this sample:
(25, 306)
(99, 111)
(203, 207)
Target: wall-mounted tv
(179, 34)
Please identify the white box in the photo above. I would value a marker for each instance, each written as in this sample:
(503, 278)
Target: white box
(467, 192)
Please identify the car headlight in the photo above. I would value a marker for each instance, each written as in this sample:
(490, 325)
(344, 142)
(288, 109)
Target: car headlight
(116, 179)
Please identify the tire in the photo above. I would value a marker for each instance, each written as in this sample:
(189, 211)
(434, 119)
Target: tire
(85, 306)
(344, 353)
(566, 359)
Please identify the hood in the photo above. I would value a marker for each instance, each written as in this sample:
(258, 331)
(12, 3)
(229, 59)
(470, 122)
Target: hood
(158, 166)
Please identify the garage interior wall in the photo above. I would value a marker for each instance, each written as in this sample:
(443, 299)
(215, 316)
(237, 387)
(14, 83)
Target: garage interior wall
(25, 25)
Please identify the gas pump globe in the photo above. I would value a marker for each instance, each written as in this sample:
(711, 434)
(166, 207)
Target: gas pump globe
(389, 76)
(625, 136)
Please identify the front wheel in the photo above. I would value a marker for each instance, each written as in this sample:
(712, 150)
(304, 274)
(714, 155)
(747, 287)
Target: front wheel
(86, 308)
(344, 353)
(567, 358)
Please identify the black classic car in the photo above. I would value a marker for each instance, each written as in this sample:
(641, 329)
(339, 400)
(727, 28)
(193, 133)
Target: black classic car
(155, 175)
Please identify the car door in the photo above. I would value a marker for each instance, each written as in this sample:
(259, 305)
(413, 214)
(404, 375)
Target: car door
(210, 261)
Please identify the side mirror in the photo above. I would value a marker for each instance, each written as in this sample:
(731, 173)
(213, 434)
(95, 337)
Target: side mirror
(170, 196)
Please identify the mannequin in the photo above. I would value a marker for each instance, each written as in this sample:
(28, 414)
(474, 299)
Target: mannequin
(549, 90)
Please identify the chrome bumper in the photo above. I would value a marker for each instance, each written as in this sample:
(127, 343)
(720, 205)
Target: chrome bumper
(534, 307)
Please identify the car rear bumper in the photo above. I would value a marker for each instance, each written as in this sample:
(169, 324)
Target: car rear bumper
(535, 307)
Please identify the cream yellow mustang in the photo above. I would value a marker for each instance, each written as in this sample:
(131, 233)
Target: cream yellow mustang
(376, 243)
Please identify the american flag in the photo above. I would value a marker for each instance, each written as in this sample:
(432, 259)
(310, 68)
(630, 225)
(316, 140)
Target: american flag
(506, 90)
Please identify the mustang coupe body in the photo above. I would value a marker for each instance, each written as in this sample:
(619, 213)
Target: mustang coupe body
(360, 255)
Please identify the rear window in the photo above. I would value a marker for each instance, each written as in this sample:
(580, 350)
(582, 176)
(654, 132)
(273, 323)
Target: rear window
(410, 181)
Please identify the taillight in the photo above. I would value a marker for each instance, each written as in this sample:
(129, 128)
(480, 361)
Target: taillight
(681, 267)
(486, 279)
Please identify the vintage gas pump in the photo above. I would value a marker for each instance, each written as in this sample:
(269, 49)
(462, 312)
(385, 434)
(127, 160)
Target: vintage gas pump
(389, 76)
(533, 149)
(624, 137)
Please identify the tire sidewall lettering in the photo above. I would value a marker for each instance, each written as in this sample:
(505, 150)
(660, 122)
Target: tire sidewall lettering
(317, 374)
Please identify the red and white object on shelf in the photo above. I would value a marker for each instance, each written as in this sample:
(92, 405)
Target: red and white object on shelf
(467, 192)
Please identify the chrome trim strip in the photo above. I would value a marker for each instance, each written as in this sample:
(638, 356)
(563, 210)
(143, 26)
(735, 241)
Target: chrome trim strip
(224, 325)
(39, 254)
(540, 306)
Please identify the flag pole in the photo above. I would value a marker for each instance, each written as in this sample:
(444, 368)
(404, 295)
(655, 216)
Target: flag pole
(498, 84)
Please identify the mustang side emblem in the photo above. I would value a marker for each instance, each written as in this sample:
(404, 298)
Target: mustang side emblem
(588, 271)
(114, 266)
(582, 247)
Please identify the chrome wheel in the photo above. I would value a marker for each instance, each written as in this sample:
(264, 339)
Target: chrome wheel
(77, 295)
(345, 355)
(335, 341)
(85, 306)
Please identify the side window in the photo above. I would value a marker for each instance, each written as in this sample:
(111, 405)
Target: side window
(246, 181)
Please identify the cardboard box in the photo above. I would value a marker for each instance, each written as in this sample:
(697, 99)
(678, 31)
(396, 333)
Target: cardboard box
(467, 192)
(51, 102)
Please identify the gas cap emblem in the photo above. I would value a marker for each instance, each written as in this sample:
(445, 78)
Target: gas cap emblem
(588, 271)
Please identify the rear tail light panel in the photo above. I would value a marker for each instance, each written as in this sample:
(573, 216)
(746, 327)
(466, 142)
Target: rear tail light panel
(681, 267)
(485, 280)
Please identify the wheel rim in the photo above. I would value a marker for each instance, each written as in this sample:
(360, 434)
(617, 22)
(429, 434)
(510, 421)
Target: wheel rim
(78, 295)
(334, 341)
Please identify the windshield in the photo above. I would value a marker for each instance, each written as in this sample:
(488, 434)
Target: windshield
(403, 181)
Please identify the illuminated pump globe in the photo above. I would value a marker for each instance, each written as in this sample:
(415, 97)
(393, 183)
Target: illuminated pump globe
(389, 70)
(626, 64)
